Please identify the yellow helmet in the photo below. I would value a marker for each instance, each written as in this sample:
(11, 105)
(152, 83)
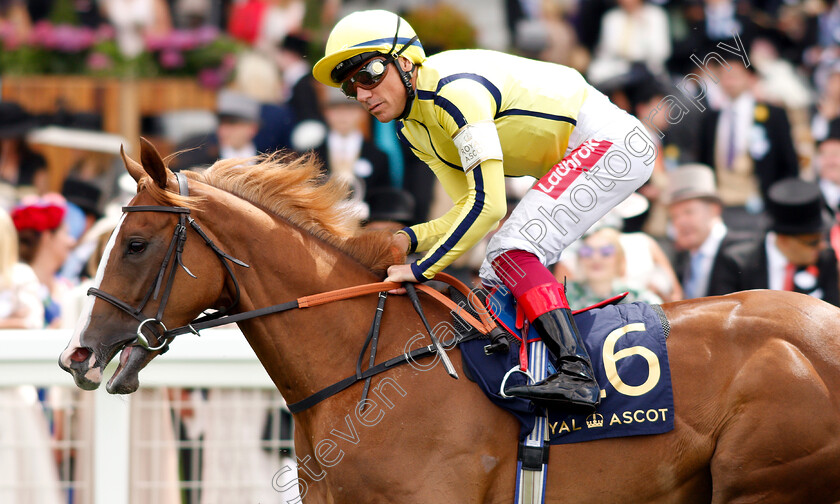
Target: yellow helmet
(363, 32)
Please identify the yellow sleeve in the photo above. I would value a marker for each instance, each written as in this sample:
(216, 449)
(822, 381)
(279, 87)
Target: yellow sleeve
(477, 212)
(478, 194)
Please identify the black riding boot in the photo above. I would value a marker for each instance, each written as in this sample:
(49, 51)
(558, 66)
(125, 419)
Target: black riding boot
(573, 386)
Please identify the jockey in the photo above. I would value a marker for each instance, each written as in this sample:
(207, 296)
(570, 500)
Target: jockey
(475, 117)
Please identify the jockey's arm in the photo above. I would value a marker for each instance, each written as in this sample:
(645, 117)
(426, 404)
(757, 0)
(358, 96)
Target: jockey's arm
(464, 109)
(480, 203)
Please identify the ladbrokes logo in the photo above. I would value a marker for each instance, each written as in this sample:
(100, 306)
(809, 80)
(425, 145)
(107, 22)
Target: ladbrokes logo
(560, 177)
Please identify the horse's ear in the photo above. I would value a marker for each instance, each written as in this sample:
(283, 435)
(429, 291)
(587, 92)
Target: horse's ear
(134, 168)
(153, 163)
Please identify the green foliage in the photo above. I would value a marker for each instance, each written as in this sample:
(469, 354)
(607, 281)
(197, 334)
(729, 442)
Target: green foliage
(442, 27)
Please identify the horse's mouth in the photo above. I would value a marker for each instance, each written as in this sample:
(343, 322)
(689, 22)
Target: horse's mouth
(126, 378)
(87, 366)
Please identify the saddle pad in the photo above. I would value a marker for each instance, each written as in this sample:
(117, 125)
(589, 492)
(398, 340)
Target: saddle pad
(626, 343)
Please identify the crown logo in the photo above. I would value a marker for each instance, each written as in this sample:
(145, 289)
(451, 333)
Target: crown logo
(595, 420)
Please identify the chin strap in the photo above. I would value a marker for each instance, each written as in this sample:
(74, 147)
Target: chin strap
(404, 75)
(409, 88)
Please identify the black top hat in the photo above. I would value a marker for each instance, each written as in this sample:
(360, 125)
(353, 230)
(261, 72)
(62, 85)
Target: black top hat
(390, 204)
(83, 194)
(15, 122)
(733, 59)
(833, 132)
(797, 207)
(297, 43)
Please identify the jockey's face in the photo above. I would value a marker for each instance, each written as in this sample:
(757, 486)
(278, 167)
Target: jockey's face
(386, 101)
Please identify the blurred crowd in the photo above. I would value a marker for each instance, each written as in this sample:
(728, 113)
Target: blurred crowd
(741, 97)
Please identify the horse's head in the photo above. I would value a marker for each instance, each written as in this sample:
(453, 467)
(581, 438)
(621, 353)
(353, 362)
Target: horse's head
(151, 277)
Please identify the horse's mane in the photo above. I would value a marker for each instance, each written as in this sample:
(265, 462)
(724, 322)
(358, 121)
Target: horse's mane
(293, 187)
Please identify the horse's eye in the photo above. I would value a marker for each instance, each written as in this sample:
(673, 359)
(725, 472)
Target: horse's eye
(136, 246)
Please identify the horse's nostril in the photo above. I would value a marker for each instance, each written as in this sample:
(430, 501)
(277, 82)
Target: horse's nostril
(80, 355)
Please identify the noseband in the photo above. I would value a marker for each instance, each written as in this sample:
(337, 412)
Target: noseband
(176, 249)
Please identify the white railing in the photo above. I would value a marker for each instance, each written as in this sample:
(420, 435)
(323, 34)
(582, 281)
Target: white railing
(220, 358)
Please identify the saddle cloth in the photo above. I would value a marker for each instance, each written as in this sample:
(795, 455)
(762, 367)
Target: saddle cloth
(626, 343)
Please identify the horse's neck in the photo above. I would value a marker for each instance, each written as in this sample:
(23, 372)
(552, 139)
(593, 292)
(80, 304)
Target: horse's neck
(285, 264)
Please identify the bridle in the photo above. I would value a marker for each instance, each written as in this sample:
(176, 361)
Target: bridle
(176, 249)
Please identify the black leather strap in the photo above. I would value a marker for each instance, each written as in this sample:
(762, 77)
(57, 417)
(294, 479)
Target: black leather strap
(532, 457)
(337, 387)
(373, 340)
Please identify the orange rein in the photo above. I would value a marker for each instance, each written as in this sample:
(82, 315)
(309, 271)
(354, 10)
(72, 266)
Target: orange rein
(484, 326)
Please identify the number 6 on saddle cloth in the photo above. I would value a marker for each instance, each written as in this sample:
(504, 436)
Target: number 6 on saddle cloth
(627, 345)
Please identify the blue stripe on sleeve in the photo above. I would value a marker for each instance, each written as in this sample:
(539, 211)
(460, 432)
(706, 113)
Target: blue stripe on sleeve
(412, 237)
(533, 113)
(463, 227)
(404, 140)
(447, 163)
(418, 273)
(494, 91)
(452, 110)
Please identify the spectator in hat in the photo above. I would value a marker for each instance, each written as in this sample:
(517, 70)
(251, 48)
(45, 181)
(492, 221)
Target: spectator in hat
(85, 198)
(20, 306)
(258, 77)
(699, 233)
(238, 123)
(300, 89)
(748, 143)
(44, 243)
(22, 171)
(345, 151)
(793, 254)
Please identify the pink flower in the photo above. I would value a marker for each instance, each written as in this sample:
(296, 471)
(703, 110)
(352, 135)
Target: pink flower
(183, 40)
(43, 35)
(99, 61)
(105, 32)
(206, 34)
(210, 78)
(156, 42)
(171, 59)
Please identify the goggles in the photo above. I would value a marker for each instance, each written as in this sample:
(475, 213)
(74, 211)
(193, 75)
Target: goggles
(367, 77)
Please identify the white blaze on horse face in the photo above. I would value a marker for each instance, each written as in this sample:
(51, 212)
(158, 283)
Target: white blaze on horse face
(93, 374)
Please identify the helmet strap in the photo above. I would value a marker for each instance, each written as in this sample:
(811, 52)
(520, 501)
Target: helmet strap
(409, 88)
(404, 75)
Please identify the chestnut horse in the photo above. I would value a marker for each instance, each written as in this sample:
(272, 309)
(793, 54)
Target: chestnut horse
(756, 375)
